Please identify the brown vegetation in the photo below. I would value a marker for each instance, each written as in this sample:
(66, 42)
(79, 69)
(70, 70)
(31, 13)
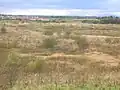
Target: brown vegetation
(49, 54)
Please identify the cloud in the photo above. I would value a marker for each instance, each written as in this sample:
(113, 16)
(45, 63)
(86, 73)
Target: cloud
(61, 7)
(110, 5)
(37, 12)
(61, 12)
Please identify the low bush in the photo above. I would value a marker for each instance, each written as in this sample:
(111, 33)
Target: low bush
(67, 45)
(37, 65)
(13, 59)
(49, 43)
(82, 43)
(48, 32)
(3, 29)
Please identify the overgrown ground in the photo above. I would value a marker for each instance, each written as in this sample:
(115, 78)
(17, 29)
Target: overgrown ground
(59, 56)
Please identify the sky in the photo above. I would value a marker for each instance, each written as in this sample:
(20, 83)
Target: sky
(61, 7)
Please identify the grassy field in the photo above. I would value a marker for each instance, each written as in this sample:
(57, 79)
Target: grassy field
(59, 56)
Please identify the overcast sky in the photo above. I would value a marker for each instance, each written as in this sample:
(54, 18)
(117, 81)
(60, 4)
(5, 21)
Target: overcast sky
(61, 7)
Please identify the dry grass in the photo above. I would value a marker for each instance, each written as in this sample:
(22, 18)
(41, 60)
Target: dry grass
(53, 56)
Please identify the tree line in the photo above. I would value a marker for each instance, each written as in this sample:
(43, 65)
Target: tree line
(104, 20)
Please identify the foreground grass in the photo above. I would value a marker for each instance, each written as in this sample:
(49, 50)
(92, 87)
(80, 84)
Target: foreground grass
(63, 87)
(58, 73)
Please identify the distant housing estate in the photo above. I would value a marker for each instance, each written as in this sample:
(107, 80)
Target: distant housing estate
(23, 17)
(45, 18)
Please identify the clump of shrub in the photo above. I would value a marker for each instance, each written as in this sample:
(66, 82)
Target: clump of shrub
(37, 65)
(11, 68)
(112, 40)
(103, 20)
(108, 40)
(109, 49)
(82, 60)
(91, 21)
(67, 34)
(67, 45)
(82, 43)
(3, 29)
(110, 21)
(48, 32)
(8, 44)
(13, 59)
(49, 43)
